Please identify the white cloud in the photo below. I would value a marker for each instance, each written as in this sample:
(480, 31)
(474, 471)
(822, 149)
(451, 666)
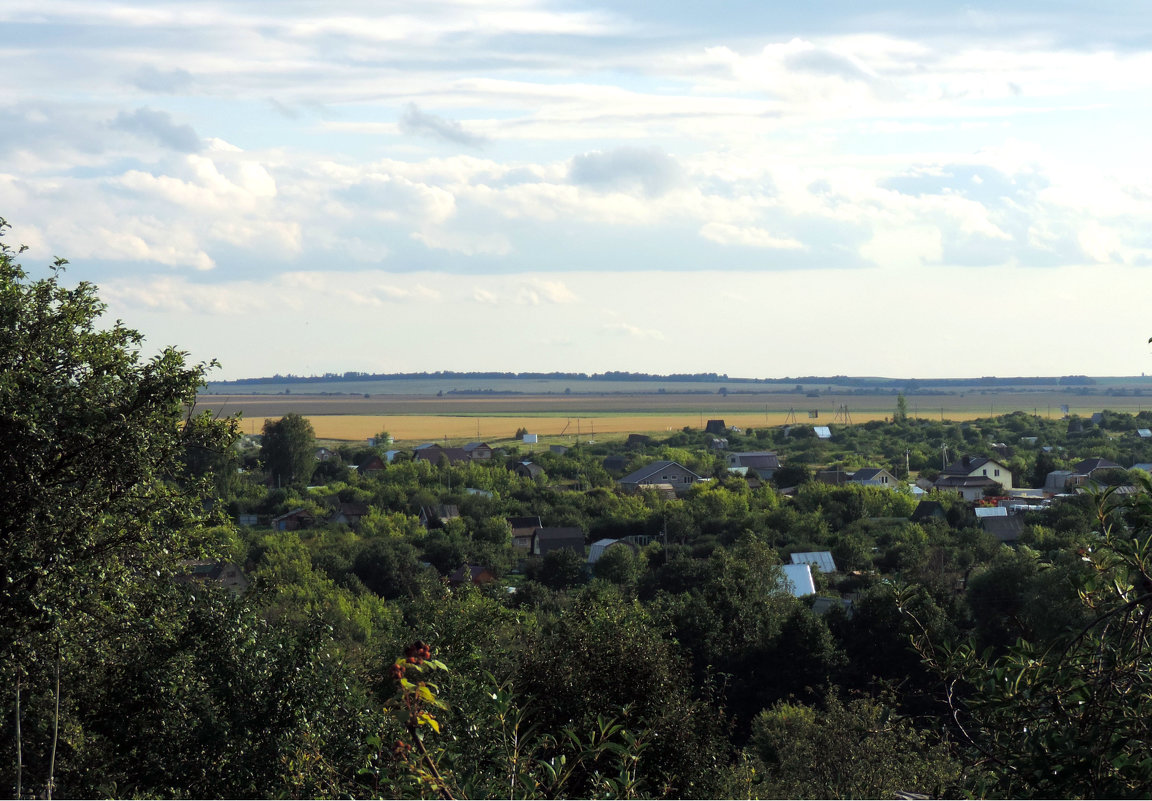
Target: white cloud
(727, 234)
(212, 153)
(539, 290)
(635, 332)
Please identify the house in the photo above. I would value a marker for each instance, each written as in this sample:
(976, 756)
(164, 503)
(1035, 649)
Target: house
(661, 472)
(637, 441)
(324, 454)
(559, 450)
(523, 529)
(292, 521)
(822, 432)
(226, 574)
(749, 475)
(615, 464)
(373, 464)
(833, 477)
(980, 467)
(349, 513)
(718, 444)
(471, 574)
(1087, 467)
(821, 559)
(600, 547)
(765, 463)
(531, 439)
(436, 516)
(478, 451)
(797, 579)
(822, 605)
(974, 477)
(1005, 529)
(874, 477)
(528, 470)
(715, 427)
(549, 539)
(1081, 474)
(927, 511)
(970, 488)
(436, 455)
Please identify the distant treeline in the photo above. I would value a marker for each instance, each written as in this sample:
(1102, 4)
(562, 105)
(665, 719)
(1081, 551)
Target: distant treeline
(910, 384)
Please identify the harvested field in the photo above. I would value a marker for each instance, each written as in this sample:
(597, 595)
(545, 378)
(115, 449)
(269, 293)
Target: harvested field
(409, 417)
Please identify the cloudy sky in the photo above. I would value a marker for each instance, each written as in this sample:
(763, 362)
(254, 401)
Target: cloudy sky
(757, 188)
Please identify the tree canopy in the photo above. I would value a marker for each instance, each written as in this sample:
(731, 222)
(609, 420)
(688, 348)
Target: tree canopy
(91, 443)
(288, 450)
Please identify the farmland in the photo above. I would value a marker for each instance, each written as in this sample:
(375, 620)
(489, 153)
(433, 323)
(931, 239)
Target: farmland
(621, 407)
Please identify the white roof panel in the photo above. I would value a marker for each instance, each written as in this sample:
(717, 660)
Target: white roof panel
(991, 511)
(822, 559)
(797, 579)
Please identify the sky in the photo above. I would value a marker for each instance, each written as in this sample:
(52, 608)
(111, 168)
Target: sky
(762, 189)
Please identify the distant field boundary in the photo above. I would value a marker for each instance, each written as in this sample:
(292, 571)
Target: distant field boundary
(458, 429)
(469, 417)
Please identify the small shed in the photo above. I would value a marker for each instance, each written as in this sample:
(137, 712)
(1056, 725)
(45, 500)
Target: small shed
(471, 574)
(558, 538)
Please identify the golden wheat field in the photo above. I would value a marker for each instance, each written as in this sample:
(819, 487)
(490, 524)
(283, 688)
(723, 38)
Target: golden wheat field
(459, 429)
(437, 427)
(410, 419)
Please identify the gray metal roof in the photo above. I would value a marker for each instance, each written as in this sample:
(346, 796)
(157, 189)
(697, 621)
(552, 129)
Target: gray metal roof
(797, 579)
(822, 559)
(649, 470)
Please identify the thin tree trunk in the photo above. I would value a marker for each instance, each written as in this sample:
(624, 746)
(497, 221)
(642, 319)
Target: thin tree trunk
(19, 747)
(55, 728)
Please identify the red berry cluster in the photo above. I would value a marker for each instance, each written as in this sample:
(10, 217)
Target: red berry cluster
(417, 652)
(397, 672)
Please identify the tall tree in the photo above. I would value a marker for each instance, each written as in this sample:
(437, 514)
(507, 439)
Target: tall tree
(91, 444)
(288, 451)
(97, 505)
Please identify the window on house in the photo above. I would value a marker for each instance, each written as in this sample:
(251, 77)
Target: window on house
(996, 472)
(984, 471)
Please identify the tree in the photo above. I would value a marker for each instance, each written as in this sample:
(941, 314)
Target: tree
(562, 568)
(288, 450)
(856, 750)
(92, 440)
(901, 415)
(98, 502)
(1067, 717)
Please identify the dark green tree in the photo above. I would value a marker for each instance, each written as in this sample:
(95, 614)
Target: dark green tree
(98, 503)
(861, 749)
(1067, 717)
(901, 415)
(92, 440)
(288, 451)
(561, 569)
